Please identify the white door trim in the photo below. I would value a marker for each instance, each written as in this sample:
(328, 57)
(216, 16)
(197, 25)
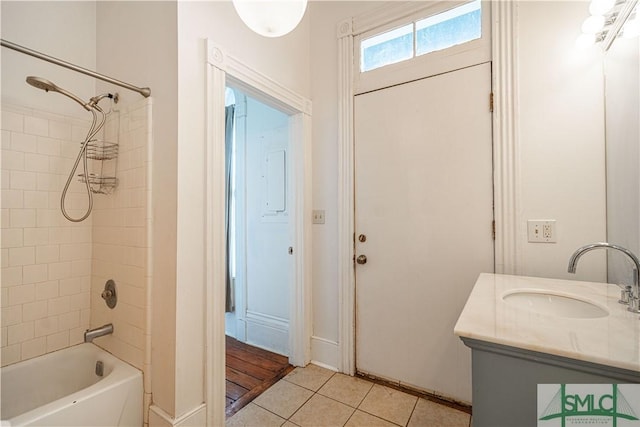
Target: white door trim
(508, 250)
(222, 68)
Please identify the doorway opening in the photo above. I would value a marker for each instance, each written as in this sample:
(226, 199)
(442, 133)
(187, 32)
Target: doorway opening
(258, 239)
(259, 229)
(226, 71)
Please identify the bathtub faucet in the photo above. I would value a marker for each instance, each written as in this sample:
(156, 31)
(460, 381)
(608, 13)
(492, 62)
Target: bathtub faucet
(91, 334)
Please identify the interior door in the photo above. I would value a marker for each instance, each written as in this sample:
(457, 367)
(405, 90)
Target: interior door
(423, 220)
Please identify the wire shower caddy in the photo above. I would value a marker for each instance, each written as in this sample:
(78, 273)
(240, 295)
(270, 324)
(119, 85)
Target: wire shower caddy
(104, 155)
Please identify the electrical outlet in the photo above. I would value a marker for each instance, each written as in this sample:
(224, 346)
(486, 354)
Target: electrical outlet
(541, 231)
(318, 217)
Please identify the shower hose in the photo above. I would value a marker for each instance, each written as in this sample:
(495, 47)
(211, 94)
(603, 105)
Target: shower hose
(96, 126)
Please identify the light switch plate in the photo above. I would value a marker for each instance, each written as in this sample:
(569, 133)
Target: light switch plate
(318, 217)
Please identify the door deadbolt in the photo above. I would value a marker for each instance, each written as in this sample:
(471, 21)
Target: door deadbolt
(362, 238)
(362, 259)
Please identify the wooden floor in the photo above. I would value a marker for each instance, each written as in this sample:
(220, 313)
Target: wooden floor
(250, 371)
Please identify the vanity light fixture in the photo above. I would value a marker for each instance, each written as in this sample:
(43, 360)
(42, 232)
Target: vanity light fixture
(271, 18)
(609, 19)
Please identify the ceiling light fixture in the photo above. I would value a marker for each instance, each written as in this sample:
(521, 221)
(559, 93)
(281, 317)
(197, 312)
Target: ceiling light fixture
(271, 18)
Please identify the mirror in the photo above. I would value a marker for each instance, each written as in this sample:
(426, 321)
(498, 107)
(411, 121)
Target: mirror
(622, 124)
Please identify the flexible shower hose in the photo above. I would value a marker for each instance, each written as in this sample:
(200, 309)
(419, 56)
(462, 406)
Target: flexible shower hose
(82, 155)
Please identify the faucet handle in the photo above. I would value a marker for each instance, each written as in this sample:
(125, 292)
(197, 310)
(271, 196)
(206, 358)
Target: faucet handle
(625, 294)
(634, 304)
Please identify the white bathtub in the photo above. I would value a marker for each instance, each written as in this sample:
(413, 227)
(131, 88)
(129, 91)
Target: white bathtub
(62, 389)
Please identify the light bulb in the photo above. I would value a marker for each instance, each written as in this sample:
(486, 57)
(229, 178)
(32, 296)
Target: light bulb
(593, 24)
(601, 7)
(271, 18)
(585, 41)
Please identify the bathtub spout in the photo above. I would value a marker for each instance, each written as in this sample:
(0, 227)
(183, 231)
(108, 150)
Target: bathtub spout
(91, 334)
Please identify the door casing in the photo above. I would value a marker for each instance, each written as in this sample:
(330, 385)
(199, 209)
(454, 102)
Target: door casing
(223, 69)
(506, 172)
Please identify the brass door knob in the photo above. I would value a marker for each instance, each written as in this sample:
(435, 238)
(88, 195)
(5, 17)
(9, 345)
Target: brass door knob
(362, 259)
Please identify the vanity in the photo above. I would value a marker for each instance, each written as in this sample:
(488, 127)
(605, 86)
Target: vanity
(525, 331)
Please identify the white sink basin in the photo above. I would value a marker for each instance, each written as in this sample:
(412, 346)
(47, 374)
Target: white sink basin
(556, 304)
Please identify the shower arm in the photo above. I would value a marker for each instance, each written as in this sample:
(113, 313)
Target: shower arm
(144, 91)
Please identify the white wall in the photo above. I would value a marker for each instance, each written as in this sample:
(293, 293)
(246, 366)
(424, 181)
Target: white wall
(268, 265)
(561, 159)
(324, 86)
(65, 30)
(285, 60)
(561, 129)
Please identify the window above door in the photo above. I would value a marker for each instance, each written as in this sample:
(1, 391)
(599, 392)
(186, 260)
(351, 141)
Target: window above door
(435, 37)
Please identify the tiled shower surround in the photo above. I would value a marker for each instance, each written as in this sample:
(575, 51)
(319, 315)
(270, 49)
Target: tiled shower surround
(46, 260)
(53, 270)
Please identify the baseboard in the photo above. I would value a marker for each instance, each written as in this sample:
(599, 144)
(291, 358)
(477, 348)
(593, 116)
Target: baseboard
(193, 418)
(325, 353)
(268, 332)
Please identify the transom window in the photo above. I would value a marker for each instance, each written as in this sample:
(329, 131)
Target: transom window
(455, 26)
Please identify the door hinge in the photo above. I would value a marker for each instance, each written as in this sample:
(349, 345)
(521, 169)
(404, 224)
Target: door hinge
(493, 229)
(491, 102)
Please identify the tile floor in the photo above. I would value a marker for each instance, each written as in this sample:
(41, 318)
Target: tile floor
(317, 397)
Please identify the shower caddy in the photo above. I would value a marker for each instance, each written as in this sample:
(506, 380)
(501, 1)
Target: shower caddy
(104, 153)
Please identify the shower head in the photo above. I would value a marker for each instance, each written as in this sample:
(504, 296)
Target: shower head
(46, 85)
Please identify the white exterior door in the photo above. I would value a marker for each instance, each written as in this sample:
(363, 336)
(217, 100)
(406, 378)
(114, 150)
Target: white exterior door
(424, 202)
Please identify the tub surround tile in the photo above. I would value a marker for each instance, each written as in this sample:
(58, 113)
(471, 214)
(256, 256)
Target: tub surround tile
(389, 404)
(12, 121)
(10, 354)
(11, 276)
(46, 260)
(36, 199)
(35, 273)
(22, 294)
(11, 315)
(34, 310)
(21, 332)
(311, 377)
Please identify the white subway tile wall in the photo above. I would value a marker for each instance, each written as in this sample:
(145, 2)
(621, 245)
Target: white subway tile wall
(38, 281)
(120, 245)
(53, 270)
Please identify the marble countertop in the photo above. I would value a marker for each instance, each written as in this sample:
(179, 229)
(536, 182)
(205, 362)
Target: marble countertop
(613, 340)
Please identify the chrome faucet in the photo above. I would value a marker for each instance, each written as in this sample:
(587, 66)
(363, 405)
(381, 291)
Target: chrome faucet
(91, 334)
(630, 295)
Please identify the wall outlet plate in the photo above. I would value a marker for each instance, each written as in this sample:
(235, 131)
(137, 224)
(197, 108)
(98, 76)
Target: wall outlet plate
(541, 231)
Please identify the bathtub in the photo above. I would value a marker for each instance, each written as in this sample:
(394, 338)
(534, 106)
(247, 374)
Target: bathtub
(63, 389)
